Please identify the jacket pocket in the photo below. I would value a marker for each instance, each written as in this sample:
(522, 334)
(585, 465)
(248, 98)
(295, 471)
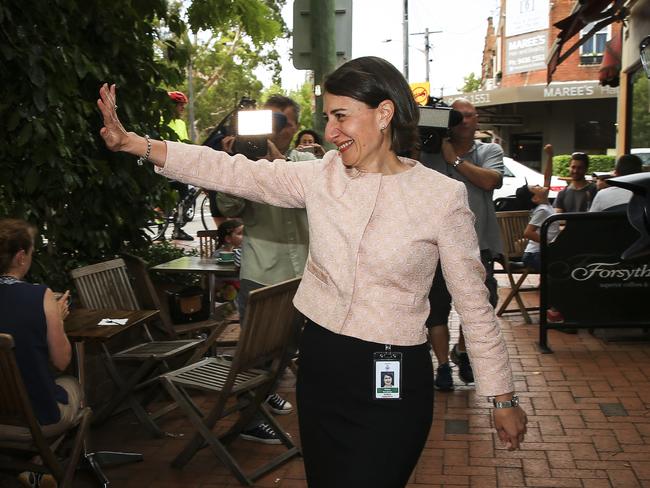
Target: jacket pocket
(317, 272)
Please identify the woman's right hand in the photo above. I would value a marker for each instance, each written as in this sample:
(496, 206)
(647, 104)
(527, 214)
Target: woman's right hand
(113, 133)
(63, 304)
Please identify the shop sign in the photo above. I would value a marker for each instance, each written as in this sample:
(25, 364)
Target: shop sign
(523, 16)
(537, 93)
(526, 52)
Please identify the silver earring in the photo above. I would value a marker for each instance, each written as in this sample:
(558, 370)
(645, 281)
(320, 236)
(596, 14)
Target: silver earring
(382, 128)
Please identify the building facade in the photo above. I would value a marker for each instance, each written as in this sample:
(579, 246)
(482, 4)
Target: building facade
(574, 112)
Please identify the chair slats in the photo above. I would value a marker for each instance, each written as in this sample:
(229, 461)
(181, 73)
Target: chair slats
(108, 285)
(260, 356)
(512, 226)
(207, 242)
(16, 411)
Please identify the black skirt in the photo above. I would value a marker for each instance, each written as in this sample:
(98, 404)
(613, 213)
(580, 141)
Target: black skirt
(349, 439)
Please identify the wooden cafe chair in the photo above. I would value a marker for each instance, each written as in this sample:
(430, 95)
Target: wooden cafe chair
(261, 355)
(207, 242)
(512, 225)
(21, 436)
(107, 286)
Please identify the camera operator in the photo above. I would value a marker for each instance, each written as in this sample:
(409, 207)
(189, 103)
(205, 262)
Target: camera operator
(480, 167)
(276, 240)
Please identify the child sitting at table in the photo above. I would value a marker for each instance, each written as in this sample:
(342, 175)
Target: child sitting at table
(33, 316)
(230, 235)
(536, 197)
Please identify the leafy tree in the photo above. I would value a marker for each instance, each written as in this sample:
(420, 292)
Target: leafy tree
(472, 83)
(229, 41)
(640, 111)
(56, 173)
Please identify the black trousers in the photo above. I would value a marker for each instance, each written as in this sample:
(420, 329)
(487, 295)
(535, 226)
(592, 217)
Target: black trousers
(350, 440)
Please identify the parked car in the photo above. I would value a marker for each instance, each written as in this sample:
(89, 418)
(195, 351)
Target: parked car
(644, 154)
(517, 174)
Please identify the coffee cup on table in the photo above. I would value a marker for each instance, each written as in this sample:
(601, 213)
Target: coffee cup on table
(226, 256)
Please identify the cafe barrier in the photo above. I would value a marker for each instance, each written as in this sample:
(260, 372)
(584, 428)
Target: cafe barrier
(585, 282)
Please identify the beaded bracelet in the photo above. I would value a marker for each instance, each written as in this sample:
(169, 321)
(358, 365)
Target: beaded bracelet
(144, 158)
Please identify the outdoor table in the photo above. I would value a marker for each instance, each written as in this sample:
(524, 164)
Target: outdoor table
(81, 327)
(195, 264)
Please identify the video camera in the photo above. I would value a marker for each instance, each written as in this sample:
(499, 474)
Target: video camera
(251, 128)
(436, 118)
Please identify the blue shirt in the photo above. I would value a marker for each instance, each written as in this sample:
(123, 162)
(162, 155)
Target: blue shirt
(23, 316)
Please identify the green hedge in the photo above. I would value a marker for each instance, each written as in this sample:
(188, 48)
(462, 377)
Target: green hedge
(597, 162)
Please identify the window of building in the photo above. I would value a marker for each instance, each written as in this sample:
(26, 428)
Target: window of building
(593, 49)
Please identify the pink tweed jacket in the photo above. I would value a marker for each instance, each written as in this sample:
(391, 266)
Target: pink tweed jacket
(375, 243)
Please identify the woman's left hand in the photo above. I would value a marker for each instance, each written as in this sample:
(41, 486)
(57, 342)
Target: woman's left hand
(113, 133)
(511, 426)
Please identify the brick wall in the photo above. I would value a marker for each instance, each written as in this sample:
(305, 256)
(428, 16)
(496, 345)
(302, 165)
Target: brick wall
(570, 69)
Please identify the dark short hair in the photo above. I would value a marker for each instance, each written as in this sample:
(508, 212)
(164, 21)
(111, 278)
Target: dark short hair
(628, 164)
(372, 80)
(524, 198)
(580, 156)
(15, 235)
(225, 229)
(313, 133)
(282, 102)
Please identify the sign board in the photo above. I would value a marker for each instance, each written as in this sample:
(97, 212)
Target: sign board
(302, 47)
(526, 52)
(524, 16)
(585, 279)
(556, 91)
(421, 92)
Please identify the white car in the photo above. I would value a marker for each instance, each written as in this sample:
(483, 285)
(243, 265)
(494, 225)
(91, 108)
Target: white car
(517, 174)
(644, 154)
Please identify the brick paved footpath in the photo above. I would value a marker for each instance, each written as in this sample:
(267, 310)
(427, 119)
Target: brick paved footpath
(589, 426)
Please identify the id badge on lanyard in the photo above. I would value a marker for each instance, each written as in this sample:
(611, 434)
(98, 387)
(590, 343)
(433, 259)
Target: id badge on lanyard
(388, 375)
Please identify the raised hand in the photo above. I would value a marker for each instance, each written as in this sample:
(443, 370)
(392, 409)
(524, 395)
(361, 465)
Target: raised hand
(113, 133)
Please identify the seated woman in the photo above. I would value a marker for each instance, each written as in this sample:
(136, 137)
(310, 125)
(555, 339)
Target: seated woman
(34, 317)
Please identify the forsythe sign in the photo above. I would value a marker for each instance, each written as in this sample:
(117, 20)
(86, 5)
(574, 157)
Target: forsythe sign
(610, 271)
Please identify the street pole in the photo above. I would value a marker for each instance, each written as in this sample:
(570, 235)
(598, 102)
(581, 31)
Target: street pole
(322, 18)
(190, 93)
(405, 33)
(427, 47)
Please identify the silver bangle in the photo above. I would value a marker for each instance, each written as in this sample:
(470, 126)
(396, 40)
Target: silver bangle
(514, 402)
(144, 158)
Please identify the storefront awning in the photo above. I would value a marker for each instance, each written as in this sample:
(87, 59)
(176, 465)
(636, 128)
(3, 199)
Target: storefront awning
(602, 12)
(554, 92)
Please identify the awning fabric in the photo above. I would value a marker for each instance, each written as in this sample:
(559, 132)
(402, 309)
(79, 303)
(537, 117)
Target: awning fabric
(603, 12)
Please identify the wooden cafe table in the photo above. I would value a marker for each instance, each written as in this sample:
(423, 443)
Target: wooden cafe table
(81, 328)
(195, 264)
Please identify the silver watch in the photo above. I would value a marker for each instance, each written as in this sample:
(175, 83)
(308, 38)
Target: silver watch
(456, 163)
(507, 404)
